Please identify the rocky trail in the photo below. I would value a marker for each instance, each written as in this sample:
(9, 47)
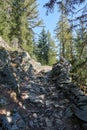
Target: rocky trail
(35, 97)
(40, 107)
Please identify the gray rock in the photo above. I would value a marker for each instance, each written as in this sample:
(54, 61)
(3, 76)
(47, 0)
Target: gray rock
(60, 72)
(82, 99)
(7, 76)
(25, 56)
(68, 113)
(48, 122)
(3, 101)
(84, 126)
(81, 112)
(5, 123)
(16, 118)
(31, 123)
(14, 127)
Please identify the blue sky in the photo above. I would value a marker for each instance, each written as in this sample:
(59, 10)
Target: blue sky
(49, 20)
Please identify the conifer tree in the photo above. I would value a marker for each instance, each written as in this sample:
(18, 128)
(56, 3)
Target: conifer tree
(25, 17)
(80, 56)
(43, 47)
(5, 19)
(52, 53)
(17, 20)
(79, 60)
(64, 35)
(46, 48)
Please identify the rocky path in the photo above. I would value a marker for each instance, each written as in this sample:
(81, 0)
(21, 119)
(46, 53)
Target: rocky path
(32, 97)
(48, 105)
(40, 107)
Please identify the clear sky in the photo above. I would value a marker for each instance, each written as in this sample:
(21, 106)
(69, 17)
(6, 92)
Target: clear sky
(49, 20)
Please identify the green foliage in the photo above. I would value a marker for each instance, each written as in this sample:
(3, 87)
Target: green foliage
(42, 48)
(17, 20)
(64, 35)
(52, 53)
(5, 19)
(69, 5)
(25, 15)
(46, 53)
(73, 49)
(80, 63)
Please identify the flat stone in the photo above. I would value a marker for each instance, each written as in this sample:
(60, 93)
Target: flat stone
(81, 113)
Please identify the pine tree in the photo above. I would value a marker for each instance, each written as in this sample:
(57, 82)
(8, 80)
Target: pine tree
(46, 48)
(43, 48)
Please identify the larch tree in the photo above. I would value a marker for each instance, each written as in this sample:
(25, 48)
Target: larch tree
(52, 53)
(64, 35)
